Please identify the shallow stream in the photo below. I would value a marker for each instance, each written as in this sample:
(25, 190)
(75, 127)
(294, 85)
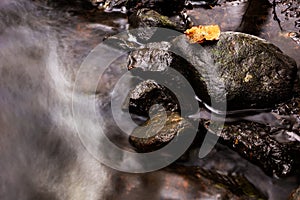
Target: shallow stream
(79, 27)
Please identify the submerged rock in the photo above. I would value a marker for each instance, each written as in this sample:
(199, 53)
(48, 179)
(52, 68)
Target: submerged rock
(244, 70)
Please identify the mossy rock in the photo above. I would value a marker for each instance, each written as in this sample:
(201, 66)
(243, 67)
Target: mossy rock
(255, 72)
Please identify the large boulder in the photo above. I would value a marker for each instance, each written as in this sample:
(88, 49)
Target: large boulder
(255, 72)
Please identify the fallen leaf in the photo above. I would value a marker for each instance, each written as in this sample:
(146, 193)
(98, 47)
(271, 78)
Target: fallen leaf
(199, 34)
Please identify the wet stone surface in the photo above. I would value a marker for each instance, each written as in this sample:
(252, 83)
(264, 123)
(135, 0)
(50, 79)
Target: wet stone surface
(270, 140)
(255, 73)
(149, 18)
(245, 70)
(251, 80)
(159, 131)
(165, 7)
(149, 93)
(273, 146)
(85, 28)
(153, 13)
(254, 142)
(282, 139)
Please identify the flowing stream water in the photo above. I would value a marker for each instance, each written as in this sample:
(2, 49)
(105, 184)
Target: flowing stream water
(74, 29)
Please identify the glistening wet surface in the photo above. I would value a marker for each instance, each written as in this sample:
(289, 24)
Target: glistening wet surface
(177, 182)
(79, 27)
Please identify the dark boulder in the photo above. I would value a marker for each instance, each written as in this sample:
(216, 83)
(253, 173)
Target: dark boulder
(255, 72)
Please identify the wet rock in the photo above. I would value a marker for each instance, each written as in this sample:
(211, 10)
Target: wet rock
(253, 142)
(123, 41)
(272, 142)
(255, 73)
(149, 18)
(147, 21)
(159, 131)
(155, 60)
(151, 57)
(246, 71)
(165, 7)
(149, 93)
(150, 13)
(287, 128)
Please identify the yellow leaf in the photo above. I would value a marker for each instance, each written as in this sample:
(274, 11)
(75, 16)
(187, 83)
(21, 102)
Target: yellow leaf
(201, 33)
